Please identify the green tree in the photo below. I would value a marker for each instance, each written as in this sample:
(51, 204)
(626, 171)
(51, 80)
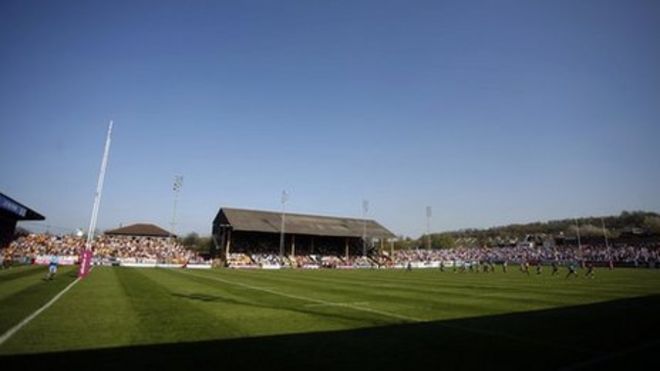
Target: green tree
(192, 239)
(442, 241)
(404, 243)
(652, 223)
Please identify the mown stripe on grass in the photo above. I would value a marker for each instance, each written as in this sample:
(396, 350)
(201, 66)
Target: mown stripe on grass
(404, 300)
(499, 281)
(4, 337)
(313, 300)
(514, 280)
(19, 305)
(163, 317)
(19, 272)
(321, 317)
(432, 307)
(544, 294)
(442, 305)
(468, 329)
(517, 285)
(94, 314)
(437, 291)
(9, 288)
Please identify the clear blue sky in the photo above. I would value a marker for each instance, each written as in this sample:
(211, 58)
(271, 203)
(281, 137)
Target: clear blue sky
(489, 111)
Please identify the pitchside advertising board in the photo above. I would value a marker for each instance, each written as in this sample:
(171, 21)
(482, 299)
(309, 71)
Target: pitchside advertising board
(157, 265)
(86, 260)
(61, 260)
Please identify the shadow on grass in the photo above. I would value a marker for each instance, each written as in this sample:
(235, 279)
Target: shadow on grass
(16, 273)
(616, 334)
(19, 304)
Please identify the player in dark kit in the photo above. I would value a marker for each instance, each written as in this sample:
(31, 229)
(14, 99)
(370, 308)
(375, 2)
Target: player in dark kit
(555, 267)
(572, 270)
(590, 270)
(539, 268)
(524, 267)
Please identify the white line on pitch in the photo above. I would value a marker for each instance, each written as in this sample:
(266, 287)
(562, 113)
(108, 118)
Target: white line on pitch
(336, 304)
(312, 300)
(27, 320)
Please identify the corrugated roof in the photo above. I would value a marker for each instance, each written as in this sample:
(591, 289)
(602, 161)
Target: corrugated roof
(315, 225)
(140, 229)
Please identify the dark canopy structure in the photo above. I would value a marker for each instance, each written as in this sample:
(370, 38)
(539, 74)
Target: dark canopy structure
(140, 230)
(11, 212)
(259, 231)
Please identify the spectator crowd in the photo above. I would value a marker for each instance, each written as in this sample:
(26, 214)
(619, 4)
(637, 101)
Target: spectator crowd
(618, 255)
(108, 248)
(132, 249)
(597, 254)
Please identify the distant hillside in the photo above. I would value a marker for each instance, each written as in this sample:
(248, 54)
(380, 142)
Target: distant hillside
(636, 223)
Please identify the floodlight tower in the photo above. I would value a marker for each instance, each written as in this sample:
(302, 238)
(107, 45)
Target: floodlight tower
(428, 227)
(176, 187)
(284, 199)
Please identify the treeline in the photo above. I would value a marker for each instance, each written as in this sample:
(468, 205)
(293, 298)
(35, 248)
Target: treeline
(639, 223)
(197, 243)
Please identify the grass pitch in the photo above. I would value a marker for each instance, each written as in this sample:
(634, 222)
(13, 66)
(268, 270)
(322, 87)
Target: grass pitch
(331, 319)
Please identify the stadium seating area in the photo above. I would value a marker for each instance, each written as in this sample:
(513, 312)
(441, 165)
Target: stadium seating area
(239, 260)
(600, 254)
(301, 261)
(643, 255)
(161, 250)
(122, 248)
(267, 259)
(361, 262)
(127, 249)
(41, 244)
(331, 261)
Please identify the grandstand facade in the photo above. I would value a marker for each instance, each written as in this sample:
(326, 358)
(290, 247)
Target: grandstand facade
(12, 212)
(247, 231)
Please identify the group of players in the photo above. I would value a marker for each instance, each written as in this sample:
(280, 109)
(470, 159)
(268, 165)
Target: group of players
(525, 268)
(572, 269)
